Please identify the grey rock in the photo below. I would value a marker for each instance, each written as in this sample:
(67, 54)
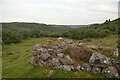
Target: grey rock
(41, 50)
(37, 47)
(65, 59)
(56, 62)
(111, 72)
(86, 67)
(67, 67)
(44, 56)
(98, 58)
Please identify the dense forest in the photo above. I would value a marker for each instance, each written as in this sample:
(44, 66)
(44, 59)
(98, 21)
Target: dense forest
(16, 32)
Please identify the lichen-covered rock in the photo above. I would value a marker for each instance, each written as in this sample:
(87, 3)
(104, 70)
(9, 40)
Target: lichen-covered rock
(98, 58)
(67, 67)
(86, 67)
(56, 62)
(44, 56)
(41, 50)
(111, 72)
(65, 59)
(37, 47)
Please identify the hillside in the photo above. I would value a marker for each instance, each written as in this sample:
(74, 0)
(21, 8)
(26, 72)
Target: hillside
(29, 26)
(77, 26)
(109, 25)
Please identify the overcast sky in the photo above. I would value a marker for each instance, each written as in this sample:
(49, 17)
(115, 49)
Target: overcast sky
(58, 11)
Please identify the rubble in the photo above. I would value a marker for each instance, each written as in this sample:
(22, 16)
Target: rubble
(53, 57)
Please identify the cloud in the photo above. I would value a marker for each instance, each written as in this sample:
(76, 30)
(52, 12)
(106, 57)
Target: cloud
(58, 11)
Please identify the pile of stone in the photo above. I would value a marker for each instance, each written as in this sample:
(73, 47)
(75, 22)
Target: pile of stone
(99, 63)
(52, 57)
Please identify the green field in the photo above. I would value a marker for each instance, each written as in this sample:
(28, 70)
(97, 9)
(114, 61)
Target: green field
(17, 64)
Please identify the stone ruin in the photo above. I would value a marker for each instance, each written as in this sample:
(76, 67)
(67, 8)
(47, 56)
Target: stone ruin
(53, 57)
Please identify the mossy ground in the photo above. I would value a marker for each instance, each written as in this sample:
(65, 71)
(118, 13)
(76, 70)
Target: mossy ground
(17, 65)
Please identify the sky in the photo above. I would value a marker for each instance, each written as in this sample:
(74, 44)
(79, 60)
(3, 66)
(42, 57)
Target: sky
(62, 12)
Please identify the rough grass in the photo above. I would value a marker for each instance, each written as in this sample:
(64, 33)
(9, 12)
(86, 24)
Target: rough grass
(17, 65)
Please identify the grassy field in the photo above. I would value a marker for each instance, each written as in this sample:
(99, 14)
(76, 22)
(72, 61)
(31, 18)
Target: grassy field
(17, 64)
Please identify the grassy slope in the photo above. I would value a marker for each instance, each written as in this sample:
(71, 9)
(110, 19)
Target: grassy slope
(29, 26)
(17, 65)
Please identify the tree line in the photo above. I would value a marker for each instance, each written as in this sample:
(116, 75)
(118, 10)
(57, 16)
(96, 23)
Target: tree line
(93, 31)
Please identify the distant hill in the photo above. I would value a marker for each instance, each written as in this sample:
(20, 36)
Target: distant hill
(77, 26)
(28, 26)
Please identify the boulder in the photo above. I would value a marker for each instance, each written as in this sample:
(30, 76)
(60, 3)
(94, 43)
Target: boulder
(98, 58)
(86, 67)
(67, 67)
(56, 62)
(65, 59)
(37, 47)
(111, 72)
(44, 56)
